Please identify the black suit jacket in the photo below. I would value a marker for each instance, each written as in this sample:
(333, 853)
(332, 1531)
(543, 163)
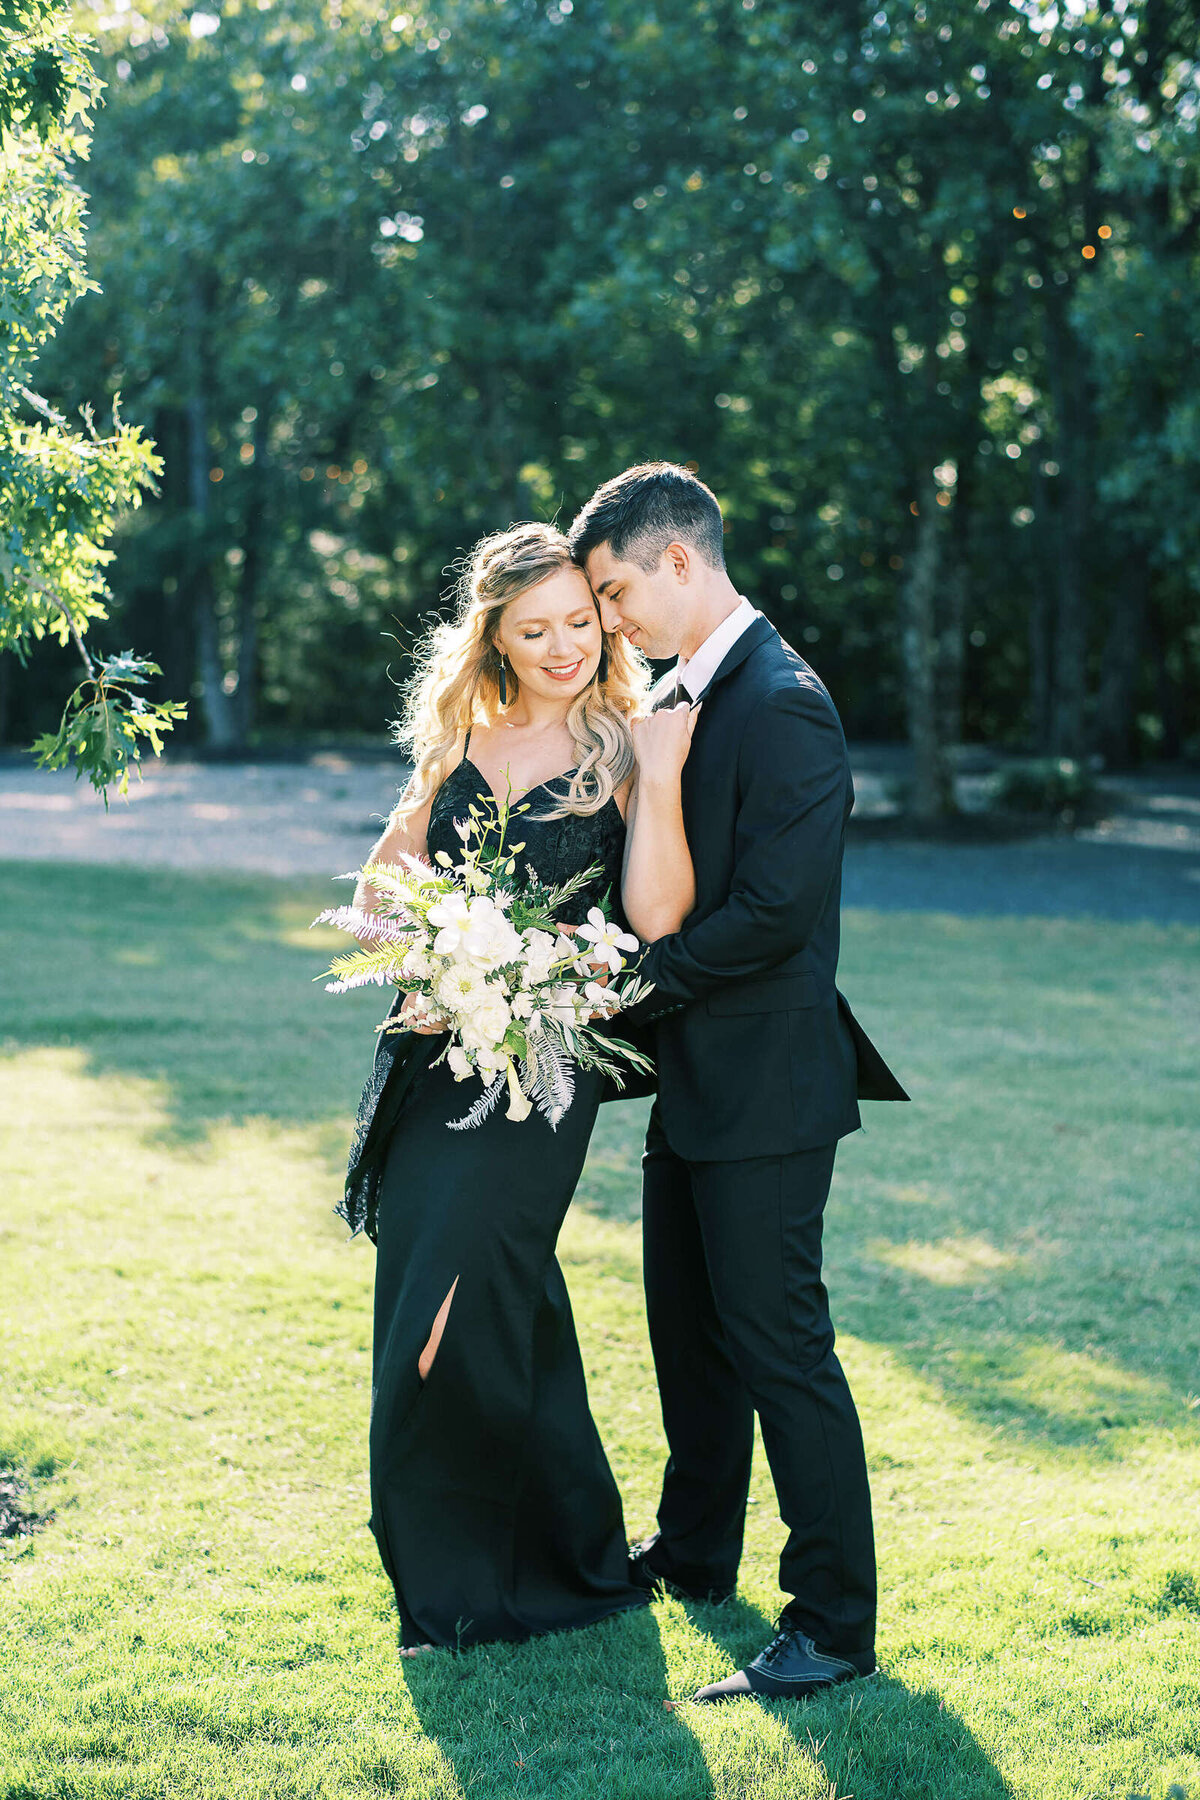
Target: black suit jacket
(756, 1051)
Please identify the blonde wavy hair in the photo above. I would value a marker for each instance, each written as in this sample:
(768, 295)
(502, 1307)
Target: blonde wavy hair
(457, 680)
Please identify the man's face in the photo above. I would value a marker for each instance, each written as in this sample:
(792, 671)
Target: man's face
(648, 605)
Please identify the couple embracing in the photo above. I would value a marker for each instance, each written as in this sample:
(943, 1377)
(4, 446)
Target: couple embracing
(716, 809)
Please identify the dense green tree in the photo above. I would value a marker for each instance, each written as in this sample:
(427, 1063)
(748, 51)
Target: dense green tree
(912, 285)
(61, 488)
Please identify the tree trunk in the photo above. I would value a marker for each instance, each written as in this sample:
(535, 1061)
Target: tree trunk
(1040, 612)
(218, 717)
(932, 790)
(1070, 634)
(1167, 692)
(1072, 407)
(1116, 703)
(1039, 666)
(254, 540)
(952, 648)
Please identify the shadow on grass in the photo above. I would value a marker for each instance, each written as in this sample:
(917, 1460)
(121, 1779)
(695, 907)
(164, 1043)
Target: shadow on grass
(519, 1719)
(202, 985)
(523, 1718)
(1068, 1332)
(1055, 1323)
(876, 1739)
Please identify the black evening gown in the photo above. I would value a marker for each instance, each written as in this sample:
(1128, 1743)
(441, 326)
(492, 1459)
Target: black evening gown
(492, 1502)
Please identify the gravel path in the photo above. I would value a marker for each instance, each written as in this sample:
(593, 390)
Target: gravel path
(319, 816)
(316, 817)
(1104, 877)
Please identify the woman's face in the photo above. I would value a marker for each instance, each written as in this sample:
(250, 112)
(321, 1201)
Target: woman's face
(551, 635)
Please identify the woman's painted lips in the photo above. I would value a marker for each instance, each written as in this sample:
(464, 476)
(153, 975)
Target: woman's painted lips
(567, 674)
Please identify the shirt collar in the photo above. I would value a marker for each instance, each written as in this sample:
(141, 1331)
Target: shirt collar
(695, 675)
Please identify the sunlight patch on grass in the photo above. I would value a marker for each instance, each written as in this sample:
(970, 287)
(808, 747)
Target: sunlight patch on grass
(918, 1193)
(1083, 1386)
(950, 1262)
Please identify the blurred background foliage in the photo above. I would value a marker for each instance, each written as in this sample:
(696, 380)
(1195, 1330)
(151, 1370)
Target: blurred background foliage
(914, 288)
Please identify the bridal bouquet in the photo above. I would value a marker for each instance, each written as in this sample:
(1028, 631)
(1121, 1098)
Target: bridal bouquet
(485, 957)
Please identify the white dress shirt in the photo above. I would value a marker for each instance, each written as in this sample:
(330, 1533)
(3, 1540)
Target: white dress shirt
(695, 674)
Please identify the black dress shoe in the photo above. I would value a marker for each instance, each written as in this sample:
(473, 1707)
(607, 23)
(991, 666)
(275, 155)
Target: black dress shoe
(790, 1668)
(642, 1576)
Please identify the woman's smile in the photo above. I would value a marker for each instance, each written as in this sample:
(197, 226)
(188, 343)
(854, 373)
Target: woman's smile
(565, 671)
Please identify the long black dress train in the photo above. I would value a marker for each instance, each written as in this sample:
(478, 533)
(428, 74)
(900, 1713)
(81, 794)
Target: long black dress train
(492, 1502)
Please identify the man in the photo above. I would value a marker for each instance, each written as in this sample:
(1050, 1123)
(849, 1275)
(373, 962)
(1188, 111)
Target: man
(760, 1066)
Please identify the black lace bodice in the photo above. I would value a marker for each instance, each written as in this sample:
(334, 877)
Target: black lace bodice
(554, 850)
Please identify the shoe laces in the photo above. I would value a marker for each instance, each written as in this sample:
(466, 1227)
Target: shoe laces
(777, 1646)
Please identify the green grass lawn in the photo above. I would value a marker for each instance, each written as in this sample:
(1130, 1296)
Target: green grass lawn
(186, 1353)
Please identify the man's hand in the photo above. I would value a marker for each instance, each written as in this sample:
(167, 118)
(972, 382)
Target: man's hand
(661, 742)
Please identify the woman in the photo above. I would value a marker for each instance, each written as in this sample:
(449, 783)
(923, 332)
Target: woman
(492, 1502)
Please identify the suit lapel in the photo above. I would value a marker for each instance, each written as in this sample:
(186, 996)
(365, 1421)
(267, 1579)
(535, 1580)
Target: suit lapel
(710, 739)
(751, 639)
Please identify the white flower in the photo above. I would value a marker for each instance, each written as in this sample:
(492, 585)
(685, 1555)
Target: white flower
(473, 877)
(486, 1015)
(559, 1004)
(490, 940)
(460, 1062)
(541, 953)
(416, 965)
(460, 987)
(523, 1006)
(607, 939)
(519, 1105)
(488, 1061)
(602, 998)
(450, 918)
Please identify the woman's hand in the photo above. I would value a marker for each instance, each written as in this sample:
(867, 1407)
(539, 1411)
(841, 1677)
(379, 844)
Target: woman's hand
(661, 742)
(412, 1015)
(658, 883)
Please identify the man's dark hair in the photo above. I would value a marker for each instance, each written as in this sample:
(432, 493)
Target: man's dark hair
(637, 514)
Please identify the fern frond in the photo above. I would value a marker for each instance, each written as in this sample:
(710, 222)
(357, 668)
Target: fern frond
(401, 884)
(547, 1077)
(361, 968)
(485, 1104)
(364, 924)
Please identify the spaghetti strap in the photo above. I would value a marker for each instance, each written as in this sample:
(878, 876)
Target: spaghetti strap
(466, 744)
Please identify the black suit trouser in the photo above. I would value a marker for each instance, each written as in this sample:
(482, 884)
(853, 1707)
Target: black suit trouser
(739, 1323)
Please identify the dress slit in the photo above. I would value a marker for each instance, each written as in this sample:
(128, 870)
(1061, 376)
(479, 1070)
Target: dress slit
(433, 1342)
(492, 1498)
